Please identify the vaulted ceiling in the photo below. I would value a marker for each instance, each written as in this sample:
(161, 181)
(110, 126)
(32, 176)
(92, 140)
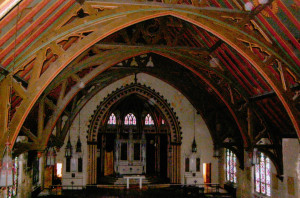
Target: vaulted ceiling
(238, 65)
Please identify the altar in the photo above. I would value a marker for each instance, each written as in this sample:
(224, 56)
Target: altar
(130, 155)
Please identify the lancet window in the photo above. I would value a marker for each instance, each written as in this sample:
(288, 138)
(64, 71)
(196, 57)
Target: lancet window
(230, 166)
(112, 119)
(149, 120)
(130, 119)
(263, 175)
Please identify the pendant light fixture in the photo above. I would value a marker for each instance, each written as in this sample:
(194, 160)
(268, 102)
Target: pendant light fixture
(78, 145)
(6, 169)
(194, 144)
(150, 62)
(68, 149)
(216, 153)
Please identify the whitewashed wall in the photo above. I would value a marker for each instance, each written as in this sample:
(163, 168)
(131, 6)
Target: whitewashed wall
(182, 107)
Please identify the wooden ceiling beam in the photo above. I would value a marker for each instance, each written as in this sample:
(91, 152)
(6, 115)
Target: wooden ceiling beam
(29, 134)
(215, 46)
(109, 21)
(104, 62)
(270, 94)
(149, 47)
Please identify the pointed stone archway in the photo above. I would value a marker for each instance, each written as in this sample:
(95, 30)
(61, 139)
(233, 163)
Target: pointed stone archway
(171, 119)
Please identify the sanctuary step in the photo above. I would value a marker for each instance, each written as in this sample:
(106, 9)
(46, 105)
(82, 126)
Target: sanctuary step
(111, 180)
(157, 180)
(108, 180)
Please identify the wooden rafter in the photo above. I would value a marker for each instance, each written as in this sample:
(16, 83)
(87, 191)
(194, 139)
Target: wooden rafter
(106, 22)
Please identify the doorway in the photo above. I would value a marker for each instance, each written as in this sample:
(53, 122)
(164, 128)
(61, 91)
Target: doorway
(207, 173)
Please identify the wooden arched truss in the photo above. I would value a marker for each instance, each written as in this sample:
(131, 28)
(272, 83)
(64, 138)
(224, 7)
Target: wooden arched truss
(103, 19)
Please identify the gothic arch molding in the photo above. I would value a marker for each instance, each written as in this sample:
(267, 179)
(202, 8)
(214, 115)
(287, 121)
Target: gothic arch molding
(171, 118)
(148, 93)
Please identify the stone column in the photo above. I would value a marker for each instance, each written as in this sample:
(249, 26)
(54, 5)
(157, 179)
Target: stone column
(117, 152)
(92, 162)
(157, 148)
(42, 159)
(291, 168)
(244, 179)
(144, 152)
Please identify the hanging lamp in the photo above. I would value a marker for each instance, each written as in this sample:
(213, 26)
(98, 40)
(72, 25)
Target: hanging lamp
(6, 167)
(194, 144)
(134, 63)
(78, 144)
(68, 149)
(150, 62)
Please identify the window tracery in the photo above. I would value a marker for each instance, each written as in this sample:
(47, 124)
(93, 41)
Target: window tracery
(148, 120)
(130, 119)
(230, 166)
(263, 175)
(112, 119)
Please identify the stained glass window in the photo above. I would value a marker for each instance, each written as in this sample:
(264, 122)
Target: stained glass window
(12, 191)
(162, 121)
(130, 119)
(112, 119)
(230, 166)
(148, 120)
(263, 175)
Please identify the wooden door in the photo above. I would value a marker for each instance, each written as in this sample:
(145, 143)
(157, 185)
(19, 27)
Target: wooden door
(207, 173)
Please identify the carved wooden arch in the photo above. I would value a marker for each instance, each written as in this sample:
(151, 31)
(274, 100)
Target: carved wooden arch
(101, 26)
(148, 93)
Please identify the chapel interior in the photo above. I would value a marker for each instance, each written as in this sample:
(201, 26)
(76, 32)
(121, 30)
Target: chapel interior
(150, 98)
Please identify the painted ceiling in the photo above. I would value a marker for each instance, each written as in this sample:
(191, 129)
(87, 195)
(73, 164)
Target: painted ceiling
(238, 57)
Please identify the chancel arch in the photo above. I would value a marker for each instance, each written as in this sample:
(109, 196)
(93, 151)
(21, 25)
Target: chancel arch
(130, 121)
